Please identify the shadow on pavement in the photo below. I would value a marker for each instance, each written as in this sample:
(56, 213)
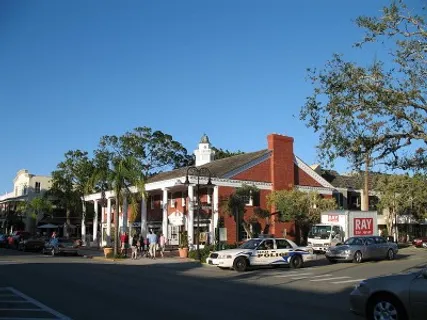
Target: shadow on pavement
(113, 291)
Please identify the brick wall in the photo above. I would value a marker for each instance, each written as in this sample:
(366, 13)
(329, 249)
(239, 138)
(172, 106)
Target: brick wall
(282, 161)
(304, 179)
(261, 172)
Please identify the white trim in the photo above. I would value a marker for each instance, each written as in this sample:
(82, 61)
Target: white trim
(313, 174)
(248, 165)
(193, 180)
(321, 190)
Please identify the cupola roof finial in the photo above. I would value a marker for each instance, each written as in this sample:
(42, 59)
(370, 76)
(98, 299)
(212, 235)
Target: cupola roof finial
(204, 139)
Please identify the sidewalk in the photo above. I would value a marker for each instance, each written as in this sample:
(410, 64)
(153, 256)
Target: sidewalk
(170, 258)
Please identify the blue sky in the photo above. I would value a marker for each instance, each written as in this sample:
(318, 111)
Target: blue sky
(72, 71)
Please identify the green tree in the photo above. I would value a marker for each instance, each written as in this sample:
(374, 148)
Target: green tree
(70, 183)
(225, 153)
(401, 195)
(375, 111)
(121, 164)
(301, 207)
(154, 150)
(235, 206)
(38, 207)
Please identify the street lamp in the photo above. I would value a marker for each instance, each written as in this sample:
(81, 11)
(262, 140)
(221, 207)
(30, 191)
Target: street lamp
(198, 172)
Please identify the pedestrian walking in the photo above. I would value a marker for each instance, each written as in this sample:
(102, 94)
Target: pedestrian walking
(162, 243)
(135, 247)
(124, 239)
(152, 240)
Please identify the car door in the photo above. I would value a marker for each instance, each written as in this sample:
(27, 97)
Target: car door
(382, 247)
(265, 252)
(371, 248)
(283, 250)
(418, 297)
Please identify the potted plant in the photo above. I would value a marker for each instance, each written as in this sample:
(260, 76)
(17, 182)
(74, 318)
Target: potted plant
(183, 245)
(108, 252)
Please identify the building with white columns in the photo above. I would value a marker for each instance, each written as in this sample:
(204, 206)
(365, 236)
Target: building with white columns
(170, 206)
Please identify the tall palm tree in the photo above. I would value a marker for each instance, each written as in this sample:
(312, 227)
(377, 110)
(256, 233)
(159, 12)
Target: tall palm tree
(125, 176)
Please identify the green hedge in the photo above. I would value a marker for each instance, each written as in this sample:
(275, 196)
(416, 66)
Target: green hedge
(204, 253)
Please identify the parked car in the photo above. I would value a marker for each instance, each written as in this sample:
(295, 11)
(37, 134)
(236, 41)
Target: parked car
(65, 246)
(402, 296)
(420, 242)
(16, 237)
(31, 244)
(264, 251)
(357, 249)
(3, 240)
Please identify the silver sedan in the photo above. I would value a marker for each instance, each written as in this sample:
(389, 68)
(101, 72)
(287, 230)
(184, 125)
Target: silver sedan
(402, 296)
(358, 249)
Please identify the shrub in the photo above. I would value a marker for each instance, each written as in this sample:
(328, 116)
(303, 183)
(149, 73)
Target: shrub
(204, 253)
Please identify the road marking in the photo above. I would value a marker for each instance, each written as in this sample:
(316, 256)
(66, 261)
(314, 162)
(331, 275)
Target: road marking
(327, 279)
(7, 262)
(301, 278)
(40, 307)
(20, 309)
(348, 281)
(293, 275)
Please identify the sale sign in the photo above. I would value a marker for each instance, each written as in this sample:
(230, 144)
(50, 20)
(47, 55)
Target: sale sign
(333, 218)
(363, 226)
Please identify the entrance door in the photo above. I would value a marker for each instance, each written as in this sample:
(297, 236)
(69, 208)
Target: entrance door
(173, 235)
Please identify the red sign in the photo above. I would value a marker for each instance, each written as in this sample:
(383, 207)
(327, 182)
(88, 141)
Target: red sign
(333, 218)
(363, 226)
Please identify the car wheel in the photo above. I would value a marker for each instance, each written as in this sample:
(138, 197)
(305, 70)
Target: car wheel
(385, 307)
(240, 264)
(296, 262)
(357, 257)
(390, 254)
(332, 261)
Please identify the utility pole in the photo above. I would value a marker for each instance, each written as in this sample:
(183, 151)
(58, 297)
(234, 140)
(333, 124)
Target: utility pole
(365, 194)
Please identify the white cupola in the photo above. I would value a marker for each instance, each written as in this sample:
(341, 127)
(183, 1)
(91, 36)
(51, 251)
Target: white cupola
(204, 154)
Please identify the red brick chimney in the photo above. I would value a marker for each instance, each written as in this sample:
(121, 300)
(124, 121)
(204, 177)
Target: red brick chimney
(282, 161)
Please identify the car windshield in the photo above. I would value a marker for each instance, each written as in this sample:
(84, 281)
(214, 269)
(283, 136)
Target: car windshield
(353, 242)
(320, 232)
(251, 244)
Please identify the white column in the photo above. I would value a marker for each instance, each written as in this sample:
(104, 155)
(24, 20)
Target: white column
(215, 216)
(109, 222)
(83, 223)
(190, 223)
(125, 214)
(144, 227)
(165, 212)
(103, 240)
(95, 222)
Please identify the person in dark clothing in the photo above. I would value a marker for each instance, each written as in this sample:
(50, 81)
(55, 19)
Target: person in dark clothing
(135, 247)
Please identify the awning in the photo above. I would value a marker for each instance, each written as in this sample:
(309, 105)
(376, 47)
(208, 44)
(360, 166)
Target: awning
(48, 226)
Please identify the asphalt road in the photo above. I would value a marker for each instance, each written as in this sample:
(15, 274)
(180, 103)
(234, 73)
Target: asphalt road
(34, 286)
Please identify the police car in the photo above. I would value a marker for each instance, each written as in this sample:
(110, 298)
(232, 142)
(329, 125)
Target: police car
(263, 252)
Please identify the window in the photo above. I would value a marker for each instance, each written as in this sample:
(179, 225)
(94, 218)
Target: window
(37, 187)
(266, 245)
(380, 240)
(24, 190)
(283, 244)
(336, 230)
(369, 241)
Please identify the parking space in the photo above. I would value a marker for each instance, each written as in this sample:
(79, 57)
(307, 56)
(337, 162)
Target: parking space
(16, 305)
